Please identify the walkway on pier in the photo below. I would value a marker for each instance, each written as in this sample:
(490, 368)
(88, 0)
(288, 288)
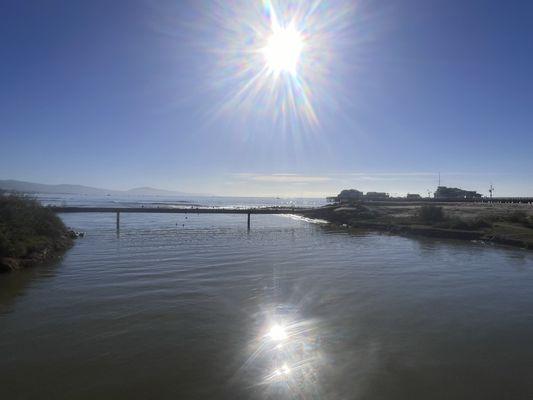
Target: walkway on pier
(190, 210)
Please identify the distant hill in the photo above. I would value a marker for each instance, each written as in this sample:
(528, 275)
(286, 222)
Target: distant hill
(30, 187)
(153, 191)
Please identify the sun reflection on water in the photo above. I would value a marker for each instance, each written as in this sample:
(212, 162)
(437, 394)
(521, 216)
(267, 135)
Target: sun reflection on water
(285, 354)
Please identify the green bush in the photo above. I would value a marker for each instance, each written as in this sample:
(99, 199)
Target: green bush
(480, 223)
(27, 227)
(519, 217)
(528, 222)
(466, 225)
(430, 214)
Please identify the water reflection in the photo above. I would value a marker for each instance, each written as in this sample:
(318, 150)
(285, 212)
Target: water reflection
(209, 312)
(286, 354)
(14, 285)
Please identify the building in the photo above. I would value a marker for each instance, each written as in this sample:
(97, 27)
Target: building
(347, 196)
(376, 196)
(411, 196)
(446, 193)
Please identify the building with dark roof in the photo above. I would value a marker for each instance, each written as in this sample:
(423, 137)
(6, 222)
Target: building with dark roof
(446, 193)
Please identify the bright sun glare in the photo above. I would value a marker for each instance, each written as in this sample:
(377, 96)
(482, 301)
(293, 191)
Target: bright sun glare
(278, 58)
(283, 50)
(277, 333)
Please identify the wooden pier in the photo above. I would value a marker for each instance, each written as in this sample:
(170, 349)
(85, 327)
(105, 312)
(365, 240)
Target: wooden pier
(195, 210)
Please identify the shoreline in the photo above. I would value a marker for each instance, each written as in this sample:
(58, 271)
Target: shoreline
(30, 234)
(497, 225)
(47, 254)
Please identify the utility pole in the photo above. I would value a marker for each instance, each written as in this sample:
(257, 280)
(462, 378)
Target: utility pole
(491, 190)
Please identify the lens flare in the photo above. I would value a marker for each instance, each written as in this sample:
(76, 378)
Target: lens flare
(277, 60)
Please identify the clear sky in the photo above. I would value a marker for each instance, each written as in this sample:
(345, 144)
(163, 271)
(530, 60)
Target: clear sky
(386, 94)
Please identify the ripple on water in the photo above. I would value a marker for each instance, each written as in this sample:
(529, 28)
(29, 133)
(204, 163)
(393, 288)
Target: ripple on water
(287, 310)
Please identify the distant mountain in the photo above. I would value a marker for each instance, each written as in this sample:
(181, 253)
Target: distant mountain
(153, 192)
(30, 187)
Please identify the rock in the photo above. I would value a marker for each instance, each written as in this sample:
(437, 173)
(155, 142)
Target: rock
(75, 234)
(8, 264)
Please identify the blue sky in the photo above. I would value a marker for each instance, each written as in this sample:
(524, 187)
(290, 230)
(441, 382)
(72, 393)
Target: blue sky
(135, 93)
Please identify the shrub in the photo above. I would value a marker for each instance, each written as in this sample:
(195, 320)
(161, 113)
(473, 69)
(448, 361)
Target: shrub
(26, 227)
(430, 214)
(467, 225)
(481, 223)
(519, 217)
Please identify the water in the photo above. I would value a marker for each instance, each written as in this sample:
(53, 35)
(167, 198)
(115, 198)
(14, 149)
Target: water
(175, 201)
(196, 307)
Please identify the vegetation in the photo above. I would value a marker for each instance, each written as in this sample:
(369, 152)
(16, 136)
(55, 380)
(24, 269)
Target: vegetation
(430, 214)
(474, 224)
(434, 215)
(29, 230)
(520, 217)
(503, 223)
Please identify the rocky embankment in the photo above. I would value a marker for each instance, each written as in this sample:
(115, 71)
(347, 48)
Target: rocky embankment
(502, 224)
(30, 234)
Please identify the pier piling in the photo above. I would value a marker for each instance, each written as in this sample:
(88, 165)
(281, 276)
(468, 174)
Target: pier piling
(248, 221)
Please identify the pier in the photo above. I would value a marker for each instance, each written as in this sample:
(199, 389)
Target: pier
(199, 210)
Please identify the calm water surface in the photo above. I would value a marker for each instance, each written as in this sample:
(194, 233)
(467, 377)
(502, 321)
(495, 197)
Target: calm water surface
(196, 307)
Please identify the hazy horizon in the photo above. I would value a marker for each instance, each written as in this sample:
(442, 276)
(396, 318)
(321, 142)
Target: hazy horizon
(381, 182)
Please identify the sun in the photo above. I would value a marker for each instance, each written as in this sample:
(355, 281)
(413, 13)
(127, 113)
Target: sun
(279, 61)
(277, 333)
(283, 50)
